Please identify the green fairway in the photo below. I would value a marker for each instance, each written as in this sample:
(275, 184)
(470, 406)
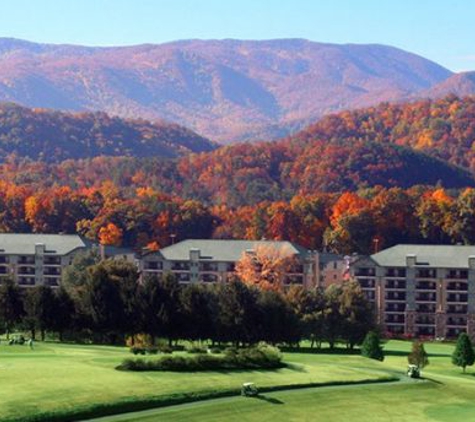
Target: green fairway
(58, 378)
(447, 396)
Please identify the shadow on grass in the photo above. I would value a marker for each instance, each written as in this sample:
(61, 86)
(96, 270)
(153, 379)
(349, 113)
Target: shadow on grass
(271, 400)
(405, 353)
(296, 368)
(432, 380)
(321, 351)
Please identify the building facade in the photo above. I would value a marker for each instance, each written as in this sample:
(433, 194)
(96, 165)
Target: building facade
(39, 259)
(214, 261)
(421, 290)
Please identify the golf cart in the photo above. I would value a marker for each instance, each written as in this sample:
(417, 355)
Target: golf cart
(413, 371)
(249, 389)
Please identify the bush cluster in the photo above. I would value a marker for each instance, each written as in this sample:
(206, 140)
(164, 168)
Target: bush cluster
(258, 357)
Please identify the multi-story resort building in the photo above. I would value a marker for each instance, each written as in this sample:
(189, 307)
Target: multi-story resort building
(421, 290)
(211, 261)
(39, 259)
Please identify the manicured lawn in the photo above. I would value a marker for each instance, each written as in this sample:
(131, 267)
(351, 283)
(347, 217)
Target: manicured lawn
(57, 377)
(449, 396)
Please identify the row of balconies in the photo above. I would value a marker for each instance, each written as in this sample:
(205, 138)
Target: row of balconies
(423, 273)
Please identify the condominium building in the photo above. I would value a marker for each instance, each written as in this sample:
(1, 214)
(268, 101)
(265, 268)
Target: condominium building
(421, 290)
(212, 261)
(39, 259)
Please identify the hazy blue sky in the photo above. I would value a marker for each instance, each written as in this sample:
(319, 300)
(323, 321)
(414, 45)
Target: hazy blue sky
(441, 30)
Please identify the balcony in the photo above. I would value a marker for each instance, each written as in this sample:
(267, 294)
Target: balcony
(4, 259)
(52, 260)
(208, 266)
(396, 272)
(457, 287)
(153, 265)
(457, 298)
(425, 308)
(26, 260)
(394, 307)
(365, 272)
(457, 275)
(426, 297)
(180, 266)
(395, 284)
(366, 283)
(208, 278)
(456, 309)
(395, 296)
(26, 270)
(426, 285)
(425, 273)
(52, 271)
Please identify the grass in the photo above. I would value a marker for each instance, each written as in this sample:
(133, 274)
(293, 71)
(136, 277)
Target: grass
(67, 378)
(446, 396)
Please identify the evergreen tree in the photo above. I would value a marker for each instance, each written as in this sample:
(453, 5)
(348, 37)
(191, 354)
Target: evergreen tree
(11, 305)
(371, 347)
(418, 355)
(357, 313)
(463, 355)
(40, 310)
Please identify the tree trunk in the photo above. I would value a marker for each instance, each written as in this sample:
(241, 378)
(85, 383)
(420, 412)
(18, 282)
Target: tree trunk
(43, 335)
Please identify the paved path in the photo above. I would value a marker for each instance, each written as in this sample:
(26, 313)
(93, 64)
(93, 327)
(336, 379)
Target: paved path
(159, 411)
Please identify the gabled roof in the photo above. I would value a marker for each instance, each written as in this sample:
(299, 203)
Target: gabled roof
(225, 250)
(55, 244)
(24, 244)
(440, 256)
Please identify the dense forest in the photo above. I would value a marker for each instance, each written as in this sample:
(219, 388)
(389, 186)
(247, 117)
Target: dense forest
(54, 136)
(339, 185)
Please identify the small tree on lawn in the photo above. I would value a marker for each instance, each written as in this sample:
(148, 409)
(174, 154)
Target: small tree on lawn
(371, 347)
(418, 355)
(463, 355)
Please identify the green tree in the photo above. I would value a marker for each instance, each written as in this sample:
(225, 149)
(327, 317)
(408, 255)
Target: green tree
(357, 314)
(40, 310)
(278, 322)
(11, 305)
(371, 347)
(418, 355)
(238, 313)
(463, 355)
(103, 303)
(198, 312)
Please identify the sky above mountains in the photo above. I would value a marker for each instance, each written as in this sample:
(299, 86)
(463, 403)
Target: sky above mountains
(441, 30)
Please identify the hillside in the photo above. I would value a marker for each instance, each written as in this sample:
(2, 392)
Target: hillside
(226, 90)
(460, 84)
(55, 136)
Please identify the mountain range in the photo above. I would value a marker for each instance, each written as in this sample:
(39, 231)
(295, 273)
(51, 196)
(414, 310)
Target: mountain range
(226, 90)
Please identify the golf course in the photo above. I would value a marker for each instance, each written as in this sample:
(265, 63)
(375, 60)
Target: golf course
(79, 382)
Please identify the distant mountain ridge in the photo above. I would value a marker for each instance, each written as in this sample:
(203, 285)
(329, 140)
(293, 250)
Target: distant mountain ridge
(226, 90)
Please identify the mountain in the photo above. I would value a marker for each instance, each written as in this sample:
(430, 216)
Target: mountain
(460, 84)
(226, 90)
(55, 136)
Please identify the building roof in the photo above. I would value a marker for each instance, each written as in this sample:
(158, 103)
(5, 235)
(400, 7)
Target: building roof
(24, 244)
(57, 244)
(439, 256)
(225, 250)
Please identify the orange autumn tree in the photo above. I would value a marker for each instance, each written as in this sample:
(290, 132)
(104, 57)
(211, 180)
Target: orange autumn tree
(265, 266)
(110, 235)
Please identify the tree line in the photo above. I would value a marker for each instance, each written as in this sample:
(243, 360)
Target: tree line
(105, 302)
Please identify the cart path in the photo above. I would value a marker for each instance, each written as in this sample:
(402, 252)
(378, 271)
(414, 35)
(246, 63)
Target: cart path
(163, 410)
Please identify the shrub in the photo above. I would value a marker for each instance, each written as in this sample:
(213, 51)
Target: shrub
(152, 350)
(137, 350)
(164, 348)
(196, 349)
(215, 350)
(258, 357)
